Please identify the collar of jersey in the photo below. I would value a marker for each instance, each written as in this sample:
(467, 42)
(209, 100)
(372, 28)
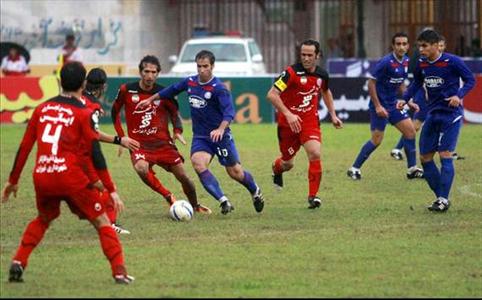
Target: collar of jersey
(435, 60)
(204, 83)
(394, 56)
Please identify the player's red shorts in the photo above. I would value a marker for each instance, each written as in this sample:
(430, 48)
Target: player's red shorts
(50, 190)
(290, 142)
(165, 156)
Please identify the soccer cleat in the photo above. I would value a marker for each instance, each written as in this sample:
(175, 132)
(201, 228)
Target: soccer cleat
(226, 207)
(16, 272)
(278, 181)
(170, 199)
(258, 200)
(203, 209)
(396, 154)
(123, 279)
(119, 229)
(354, 173)
(440, 205)
(455, 156)
(414, 172)
(314, 202)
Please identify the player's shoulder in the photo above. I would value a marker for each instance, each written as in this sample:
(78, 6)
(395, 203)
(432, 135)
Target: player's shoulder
(157, 88)
(131, 87)
(449, 57)
(321, 72)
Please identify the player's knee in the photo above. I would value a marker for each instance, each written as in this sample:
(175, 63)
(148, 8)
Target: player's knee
(101, 221)
(426, 157)
(236, 172)
(141, 169)
(288, 165)
(377, 139)
(314, 155)
(445, 154)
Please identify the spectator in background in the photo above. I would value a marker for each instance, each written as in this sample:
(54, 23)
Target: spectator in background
(70, 51)
(14, 64)
(333, 48)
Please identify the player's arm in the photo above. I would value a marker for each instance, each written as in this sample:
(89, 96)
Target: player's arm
(124, 141)
(23, 152)
(330, 105)
(167, 93)
(469, 82)
(413, 88)
(226, 105)
(273, 96)
(172, 108)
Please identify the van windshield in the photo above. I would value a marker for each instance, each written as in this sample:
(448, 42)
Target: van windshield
(223, 52)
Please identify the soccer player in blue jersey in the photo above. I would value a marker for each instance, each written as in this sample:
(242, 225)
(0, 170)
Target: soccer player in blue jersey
(212, 111)
(440, 73)
(386, 81)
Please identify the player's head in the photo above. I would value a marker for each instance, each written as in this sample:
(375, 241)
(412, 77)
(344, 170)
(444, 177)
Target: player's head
(205, 64)
(400, 44)
(149, 68)
(72, 76)
(96, 82)
(310, 51)
(428, 43)
(442, 44)
(70, 39)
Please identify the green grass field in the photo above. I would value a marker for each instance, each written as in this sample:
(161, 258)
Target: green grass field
(372, 238)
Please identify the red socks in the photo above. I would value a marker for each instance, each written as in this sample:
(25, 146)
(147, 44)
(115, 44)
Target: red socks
(277, 168)
(155, 184)
(31, 237)
(112, 248)
(314, 177)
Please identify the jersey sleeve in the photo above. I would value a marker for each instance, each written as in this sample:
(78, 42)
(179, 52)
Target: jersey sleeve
(174, 89)
(416, 84)
(281, 82)
(325, 77)
(377, 72)
(467, 77)
(28, 140)
(225, 103)
(116, 110)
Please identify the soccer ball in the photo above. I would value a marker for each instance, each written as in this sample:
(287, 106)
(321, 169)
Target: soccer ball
(181, 210)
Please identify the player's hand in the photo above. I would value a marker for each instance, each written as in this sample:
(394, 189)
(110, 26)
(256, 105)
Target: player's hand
(118, 203)
(9, 189)
(178, 136)
(413, 106)
(217, 134)
(129, 143)
(99, 185)
(381, 112)
(400, 104)
(454, 101)
(294, 121)
(336, 122)
(144, 103)
(119, 151)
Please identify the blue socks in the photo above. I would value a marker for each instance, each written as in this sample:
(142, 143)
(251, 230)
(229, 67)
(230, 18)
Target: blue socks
(447, 176)
(249, 183)
(399, 146)
(432, 175)
(410, 152)
(365, 152)
(211, 184)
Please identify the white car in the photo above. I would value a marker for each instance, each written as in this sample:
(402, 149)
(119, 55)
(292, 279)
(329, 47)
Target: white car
(235, 56)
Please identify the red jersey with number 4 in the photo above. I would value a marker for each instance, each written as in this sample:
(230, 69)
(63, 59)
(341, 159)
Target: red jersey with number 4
(63, 128)
(300, 92)
(149, 126)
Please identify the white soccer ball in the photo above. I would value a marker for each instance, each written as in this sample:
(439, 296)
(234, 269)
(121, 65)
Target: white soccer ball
(181, 210)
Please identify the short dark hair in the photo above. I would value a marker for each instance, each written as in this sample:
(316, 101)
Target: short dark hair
(430, 36)
(206, 54)
(397, 35)
(72, 76)
(96, 79)
(150, 59)
(69, 36)
(312, 42)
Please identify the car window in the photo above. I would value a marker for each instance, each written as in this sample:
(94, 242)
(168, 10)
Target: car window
(222, 52)
(253, 48)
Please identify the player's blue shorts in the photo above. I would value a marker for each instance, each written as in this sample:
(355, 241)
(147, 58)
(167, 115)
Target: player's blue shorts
(421, 115)
(225, 149)
(394, 116)
(440, 132)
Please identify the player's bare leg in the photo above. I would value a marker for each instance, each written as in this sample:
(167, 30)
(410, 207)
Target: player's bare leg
(189, 188)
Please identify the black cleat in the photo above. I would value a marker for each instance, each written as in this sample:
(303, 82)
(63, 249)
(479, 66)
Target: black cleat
(278, 181)
(455, 156)
(258, 200)
(226, 207)
(440, 205)
(396, 154)
(415, 173)
(16, 272)
(354, 174)
(314, 202)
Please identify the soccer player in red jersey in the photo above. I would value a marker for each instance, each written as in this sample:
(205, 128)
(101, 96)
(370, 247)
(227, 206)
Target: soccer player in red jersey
(94, 90)
(150, 126)
(295, 95)
(61, 127)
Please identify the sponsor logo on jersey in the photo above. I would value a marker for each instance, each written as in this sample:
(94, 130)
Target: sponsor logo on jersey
(397, 80)
(433, 81)
(135, 98)
(197, 102)
(208, 95)
(303, 80)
